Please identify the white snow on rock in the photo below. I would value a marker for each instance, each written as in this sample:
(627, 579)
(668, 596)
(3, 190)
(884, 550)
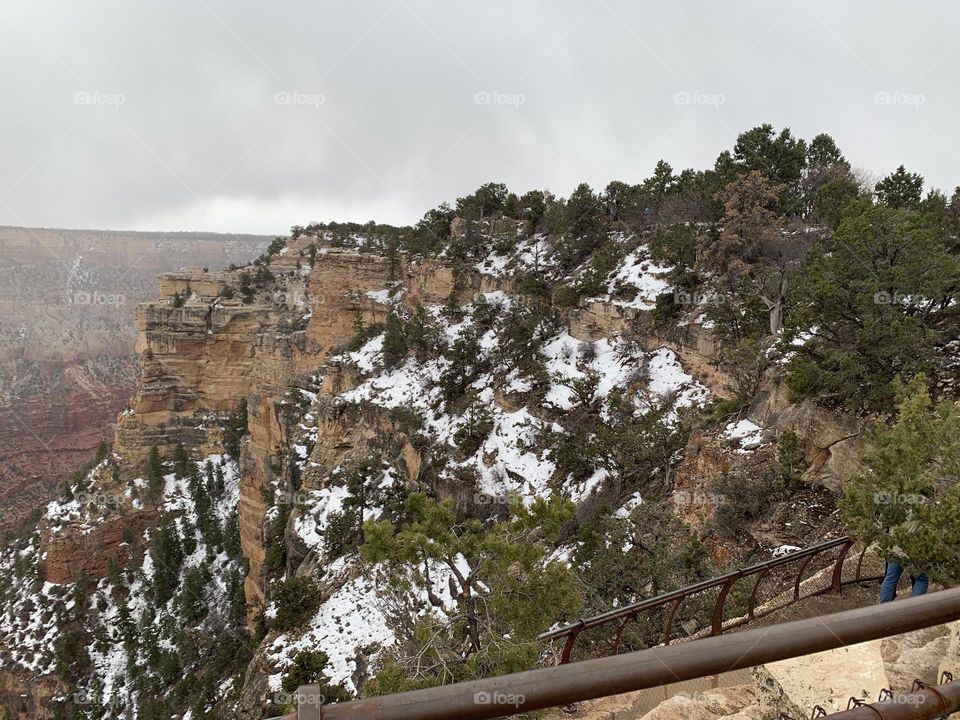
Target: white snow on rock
(746, 434)
(784, 550)
(638, 271)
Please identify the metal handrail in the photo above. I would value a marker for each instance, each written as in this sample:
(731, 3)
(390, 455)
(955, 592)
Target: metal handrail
(923, 702)
(506, 695)
(725, 583)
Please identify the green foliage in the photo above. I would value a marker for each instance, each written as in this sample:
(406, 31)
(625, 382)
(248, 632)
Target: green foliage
(900, 190)
(477, 422)
(504, 591)
(638, 448)
(362, 479)
(153, 473)
(592, 280)
(234, 430)
(296, 600)
(621, 559)
(489, 199)
(181, 461)
(362, 332)
(308, 668)
(166, 553)
(870, 297)
(675, 246)
(582, 227)
(837, 200)
(780, 157)
(790, 462)
(466, 363)
(394, 341)
(573, 453)
(907, 498)
(192, 599)
(566, 296)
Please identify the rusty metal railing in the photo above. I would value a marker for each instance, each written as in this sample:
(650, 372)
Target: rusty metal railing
(671, 602)
(923, 702)
(561, 685)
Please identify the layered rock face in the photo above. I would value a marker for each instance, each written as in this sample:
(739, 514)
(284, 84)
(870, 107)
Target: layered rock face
(67, 365)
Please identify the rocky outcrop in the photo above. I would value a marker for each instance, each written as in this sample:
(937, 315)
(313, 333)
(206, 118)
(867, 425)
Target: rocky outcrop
(732, 703)
(832, 440)
(67, 363)
(84, 550)
(26, 697)
(915, 656)
(595, 319)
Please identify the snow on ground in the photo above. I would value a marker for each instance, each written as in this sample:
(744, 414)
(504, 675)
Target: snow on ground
(355, 617)
(616, 365)
(784, 550)
(638, 271)
(515, 469)
(667, 377)
(380, 296)
(745, 434)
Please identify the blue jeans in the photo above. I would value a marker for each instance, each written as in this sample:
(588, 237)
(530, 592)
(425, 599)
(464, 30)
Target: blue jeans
(888, 590)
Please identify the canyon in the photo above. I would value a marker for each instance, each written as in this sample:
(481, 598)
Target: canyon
(67, 362)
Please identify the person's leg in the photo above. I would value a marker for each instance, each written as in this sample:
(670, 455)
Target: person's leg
(888, 589)
(920, 583)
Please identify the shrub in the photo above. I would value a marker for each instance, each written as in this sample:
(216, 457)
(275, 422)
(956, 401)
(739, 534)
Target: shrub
(296, 600)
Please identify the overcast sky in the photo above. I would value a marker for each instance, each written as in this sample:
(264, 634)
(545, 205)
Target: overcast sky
(254, 116)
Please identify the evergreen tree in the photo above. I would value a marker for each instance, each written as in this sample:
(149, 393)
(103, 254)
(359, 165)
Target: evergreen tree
(181, 462)
(235, 429)
(394, 341)
(865, 304)
(166, 553)
(900, 190)
(153, 473)
(907, 498)
(501, 583)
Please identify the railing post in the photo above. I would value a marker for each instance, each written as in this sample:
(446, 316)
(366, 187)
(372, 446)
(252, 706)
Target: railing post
(837, 585)
(568, 645)
(799, 580)
(309, 701)
(717, 624)
(668, 628)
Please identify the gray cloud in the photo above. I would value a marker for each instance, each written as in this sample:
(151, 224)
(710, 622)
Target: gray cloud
(242, 116)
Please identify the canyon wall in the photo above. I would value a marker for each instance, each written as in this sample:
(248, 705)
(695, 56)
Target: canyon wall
(67, 362)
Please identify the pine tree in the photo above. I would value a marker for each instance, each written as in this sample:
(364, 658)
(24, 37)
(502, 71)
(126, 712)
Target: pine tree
(166, 553)
(153, 474)
(900, 190)
(181, 462)
(394, 341)
(907, 498)
(868, 299)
